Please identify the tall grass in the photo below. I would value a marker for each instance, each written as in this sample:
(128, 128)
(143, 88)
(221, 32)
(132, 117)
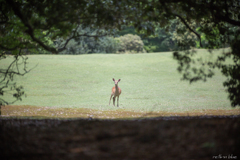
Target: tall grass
(149, 82)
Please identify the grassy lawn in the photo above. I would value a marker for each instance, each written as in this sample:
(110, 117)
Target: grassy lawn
(149, 83)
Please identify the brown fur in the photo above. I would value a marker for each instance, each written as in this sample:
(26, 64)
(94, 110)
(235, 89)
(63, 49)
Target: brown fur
(116, 91)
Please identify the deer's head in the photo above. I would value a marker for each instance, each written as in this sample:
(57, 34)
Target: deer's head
(116, 81)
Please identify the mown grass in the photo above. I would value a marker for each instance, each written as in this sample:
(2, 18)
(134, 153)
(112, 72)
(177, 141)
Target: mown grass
(149, 83)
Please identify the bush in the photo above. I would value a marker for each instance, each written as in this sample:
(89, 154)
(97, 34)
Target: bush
(77, 46)
(86, 45)
(130, 43)
(106, 45)
(150, 48)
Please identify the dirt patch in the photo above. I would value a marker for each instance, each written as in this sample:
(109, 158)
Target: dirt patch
(204, 137)
(53, 112)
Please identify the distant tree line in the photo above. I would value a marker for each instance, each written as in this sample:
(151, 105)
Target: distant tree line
(129, 40)
(109, 42)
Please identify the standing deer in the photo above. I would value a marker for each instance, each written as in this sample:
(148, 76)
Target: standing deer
(116, 91)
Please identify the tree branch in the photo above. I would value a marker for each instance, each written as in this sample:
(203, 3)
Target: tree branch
(76, 35)
(30, 30)
(185, 23)
(182, 20)
(228, 20)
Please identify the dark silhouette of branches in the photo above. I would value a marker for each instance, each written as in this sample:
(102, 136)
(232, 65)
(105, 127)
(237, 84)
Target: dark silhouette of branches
(18, 67)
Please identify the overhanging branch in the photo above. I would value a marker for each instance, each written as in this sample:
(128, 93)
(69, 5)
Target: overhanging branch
(76, 35)
(185, 23)
(30, 30)
(181, 18)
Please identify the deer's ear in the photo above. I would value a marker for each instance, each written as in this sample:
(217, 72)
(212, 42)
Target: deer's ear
(119, 80)
(113, 79)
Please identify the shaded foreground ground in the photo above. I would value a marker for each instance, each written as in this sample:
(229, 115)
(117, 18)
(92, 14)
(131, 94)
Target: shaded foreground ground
(207, 137)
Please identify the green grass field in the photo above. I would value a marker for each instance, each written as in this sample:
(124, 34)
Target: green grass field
(149, 82)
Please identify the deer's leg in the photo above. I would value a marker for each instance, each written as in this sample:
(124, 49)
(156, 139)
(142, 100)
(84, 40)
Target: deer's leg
(118, 101)
(114, 100)
(110, 99)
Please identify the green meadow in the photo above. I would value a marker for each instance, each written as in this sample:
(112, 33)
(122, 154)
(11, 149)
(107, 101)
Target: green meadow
(150, 82)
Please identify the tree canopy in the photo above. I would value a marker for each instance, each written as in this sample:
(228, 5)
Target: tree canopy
(34, 24)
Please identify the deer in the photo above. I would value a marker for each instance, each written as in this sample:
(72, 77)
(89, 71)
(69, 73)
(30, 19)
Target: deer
(116, 91)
